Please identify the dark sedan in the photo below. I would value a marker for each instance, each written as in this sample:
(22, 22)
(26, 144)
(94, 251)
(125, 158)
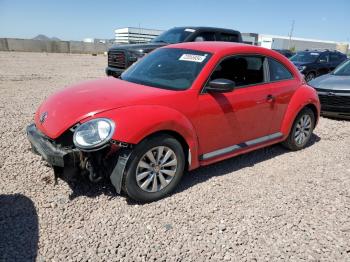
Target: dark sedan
(334, 91)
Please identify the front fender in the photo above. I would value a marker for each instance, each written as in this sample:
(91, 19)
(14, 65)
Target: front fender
(302, 97)
(134, 123)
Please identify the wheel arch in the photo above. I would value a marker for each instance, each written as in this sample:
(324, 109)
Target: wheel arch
(314, 71)
(305, 96)
(180, 139)
(135, 123)
(314, 110)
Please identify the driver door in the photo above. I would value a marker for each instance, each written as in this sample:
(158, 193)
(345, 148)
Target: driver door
(242, 115)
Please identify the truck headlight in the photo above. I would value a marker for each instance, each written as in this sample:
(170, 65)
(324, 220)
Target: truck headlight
(135, 55)
(93, 133)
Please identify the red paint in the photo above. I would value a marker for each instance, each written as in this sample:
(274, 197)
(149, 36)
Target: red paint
(207, 122)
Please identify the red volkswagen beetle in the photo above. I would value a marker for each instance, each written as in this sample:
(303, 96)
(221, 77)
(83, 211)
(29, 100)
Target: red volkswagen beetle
(180, 107)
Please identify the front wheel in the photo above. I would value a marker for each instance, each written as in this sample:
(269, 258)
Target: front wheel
(301, 131)
(155, 167)
(310, 76)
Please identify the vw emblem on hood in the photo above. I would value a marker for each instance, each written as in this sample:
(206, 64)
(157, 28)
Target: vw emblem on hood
(43, 117)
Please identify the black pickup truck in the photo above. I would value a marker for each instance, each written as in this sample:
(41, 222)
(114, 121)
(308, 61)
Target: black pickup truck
(121, 57)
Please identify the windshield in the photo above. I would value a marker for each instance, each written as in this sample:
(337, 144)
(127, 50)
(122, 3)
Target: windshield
(305, 57)
(173, 36)
(168, 68)
(343, 69)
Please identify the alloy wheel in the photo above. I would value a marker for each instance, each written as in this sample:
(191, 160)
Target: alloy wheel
(156, 169)
(303, 129)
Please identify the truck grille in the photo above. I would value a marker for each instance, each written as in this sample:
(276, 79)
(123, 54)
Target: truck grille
(335, 103)
(117, 59)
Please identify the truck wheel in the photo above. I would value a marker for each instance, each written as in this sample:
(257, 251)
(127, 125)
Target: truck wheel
(155, 167)
(301, 131)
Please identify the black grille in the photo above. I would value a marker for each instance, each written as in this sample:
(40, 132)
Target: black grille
(117, 59)
(335, 103)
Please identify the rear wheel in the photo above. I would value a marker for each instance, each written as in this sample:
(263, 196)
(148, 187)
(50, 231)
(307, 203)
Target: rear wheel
(155, 168)
(301, 131)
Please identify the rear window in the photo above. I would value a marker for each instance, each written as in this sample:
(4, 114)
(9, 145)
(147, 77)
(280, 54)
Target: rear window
(174, 35)
(278, 71)
(205, 36)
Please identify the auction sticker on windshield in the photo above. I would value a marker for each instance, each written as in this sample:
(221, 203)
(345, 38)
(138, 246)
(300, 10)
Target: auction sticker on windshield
(193, 58)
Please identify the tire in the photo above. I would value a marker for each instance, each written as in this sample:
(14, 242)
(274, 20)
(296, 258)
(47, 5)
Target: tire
(295, 140)
(141, 170)
(310, 76)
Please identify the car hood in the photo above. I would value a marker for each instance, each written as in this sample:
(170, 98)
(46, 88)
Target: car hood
(147, 47)
(73, 104)
(331, 82)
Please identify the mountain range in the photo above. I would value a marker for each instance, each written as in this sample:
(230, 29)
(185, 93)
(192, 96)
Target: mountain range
(46, 38)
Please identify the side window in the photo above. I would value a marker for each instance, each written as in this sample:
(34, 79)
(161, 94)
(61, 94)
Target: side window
(205, 36)
(278, 71)
(243, 70)
(228, 37)
(334, 57)
(324, 58)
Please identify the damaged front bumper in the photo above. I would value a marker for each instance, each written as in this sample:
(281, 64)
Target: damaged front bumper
(51, 153)
(108, 162)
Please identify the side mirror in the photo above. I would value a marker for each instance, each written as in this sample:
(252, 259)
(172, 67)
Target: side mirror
(220, 85)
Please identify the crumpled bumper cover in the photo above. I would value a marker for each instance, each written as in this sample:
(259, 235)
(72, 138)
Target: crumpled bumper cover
(53, 154)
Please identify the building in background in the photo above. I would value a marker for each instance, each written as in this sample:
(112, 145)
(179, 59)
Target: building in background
(133, 35)
(98, 41)
(295, 43)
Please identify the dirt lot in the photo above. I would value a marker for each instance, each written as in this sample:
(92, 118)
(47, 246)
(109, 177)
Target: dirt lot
(267, 205)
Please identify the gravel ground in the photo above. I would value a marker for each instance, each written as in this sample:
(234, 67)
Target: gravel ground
(269, 205)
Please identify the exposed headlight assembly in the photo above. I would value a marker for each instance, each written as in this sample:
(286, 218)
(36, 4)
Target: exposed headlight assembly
(94, 133)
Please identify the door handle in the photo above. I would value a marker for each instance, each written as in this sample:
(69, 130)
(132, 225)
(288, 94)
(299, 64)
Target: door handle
(270, 98)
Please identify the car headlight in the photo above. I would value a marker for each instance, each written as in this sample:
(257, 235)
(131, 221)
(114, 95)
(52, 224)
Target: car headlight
(301, 68)
(93, 133)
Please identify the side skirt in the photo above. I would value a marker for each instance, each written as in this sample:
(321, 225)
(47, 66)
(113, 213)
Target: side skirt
(245, 145)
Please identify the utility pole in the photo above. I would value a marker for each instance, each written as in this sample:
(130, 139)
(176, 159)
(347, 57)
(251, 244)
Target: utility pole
(290, 34)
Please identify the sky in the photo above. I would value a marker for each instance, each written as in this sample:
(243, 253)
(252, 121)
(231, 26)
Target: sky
(79, 19)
